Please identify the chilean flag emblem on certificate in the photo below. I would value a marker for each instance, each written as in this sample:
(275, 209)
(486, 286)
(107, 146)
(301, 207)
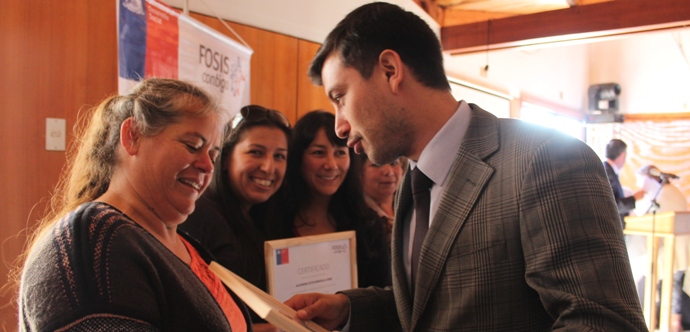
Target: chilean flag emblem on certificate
(282, 256)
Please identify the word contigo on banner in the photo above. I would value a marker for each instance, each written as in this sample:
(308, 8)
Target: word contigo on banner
(156, 41)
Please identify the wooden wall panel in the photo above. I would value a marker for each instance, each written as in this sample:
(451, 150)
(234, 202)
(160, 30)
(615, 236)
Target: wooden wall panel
(309, 96)
(55, 58)
(273, 65)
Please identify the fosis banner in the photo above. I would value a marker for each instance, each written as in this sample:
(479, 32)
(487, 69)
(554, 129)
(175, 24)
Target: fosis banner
(156, 41)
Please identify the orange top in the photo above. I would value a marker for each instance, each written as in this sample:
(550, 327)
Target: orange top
(215, 286)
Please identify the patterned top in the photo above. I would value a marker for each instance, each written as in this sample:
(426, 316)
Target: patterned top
(97, 270)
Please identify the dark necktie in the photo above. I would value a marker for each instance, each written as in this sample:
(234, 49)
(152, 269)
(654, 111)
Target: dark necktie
(421, 194)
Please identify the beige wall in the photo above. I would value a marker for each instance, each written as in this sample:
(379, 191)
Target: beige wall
(554, 76)
(653, 70)
(60, 57)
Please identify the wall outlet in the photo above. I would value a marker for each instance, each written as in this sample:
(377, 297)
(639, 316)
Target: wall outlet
(55, 134)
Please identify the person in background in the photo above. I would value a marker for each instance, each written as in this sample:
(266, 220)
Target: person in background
(379, 184)
(616, 153)
(323, 194)
(510, 226)
(680, 302)
(229, 216)
(109, 257)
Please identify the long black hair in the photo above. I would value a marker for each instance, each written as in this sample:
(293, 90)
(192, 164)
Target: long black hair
(347, 206)
(245, 223)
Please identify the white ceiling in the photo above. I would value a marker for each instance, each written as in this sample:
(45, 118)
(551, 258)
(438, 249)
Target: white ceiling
(306, 19)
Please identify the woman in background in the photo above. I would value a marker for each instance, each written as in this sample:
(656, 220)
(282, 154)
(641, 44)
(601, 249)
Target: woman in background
(379, 184)
(109, 256)
(323, 194)
(228, 218)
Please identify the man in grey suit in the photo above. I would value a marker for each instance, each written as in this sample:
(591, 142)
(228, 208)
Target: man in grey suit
(523, 232)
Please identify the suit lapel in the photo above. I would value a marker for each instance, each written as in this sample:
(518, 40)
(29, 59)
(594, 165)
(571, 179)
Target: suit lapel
(400, 286)
(467, 178)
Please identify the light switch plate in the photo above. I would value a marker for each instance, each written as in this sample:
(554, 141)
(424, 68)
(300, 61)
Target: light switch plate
(55, 134)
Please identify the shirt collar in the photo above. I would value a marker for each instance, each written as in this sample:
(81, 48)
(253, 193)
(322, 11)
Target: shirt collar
(613, 166)
(438, 156)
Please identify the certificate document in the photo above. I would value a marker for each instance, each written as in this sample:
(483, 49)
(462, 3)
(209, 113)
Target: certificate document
(322, 263)
(264, 305)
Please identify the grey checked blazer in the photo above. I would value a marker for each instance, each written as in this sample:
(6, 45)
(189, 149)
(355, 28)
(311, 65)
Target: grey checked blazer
(526, 238)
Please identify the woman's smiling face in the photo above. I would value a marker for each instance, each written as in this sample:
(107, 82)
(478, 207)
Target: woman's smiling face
(380, 182)
(174, 167)
(256, 167)
(324, 165)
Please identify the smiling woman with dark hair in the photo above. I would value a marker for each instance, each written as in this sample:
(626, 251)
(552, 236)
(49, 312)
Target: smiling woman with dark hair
(251, 169)
(323, 194)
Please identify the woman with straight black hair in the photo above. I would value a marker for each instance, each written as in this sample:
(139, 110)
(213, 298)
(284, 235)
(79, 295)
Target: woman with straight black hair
(228, 217)
(323, 194)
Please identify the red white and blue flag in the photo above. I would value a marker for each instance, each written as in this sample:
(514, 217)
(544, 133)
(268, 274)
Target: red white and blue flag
(156, 41)
(282, 256)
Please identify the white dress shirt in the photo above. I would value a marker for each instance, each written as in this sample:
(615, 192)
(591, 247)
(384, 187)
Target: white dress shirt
(435, 162)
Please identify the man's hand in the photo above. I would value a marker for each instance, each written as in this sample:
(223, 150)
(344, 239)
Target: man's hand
(327, 310)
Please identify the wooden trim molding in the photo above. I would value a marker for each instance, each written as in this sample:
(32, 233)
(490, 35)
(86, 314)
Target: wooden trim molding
(657, 117)
(599, 20)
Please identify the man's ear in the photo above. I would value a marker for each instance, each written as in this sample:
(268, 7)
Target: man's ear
(129, 136)
(392, 67)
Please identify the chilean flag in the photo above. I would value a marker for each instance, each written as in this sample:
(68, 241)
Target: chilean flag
(154, 40)
(282, 256)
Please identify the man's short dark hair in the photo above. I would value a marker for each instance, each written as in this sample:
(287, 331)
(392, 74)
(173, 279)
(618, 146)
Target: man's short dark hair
(615, 148)
(364, 33)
